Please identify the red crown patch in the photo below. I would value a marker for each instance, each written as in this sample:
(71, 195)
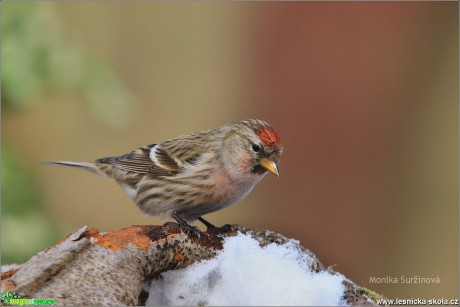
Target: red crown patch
(268, 136)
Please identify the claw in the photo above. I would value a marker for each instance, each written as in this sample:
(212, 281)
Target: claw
(192, 231)
(221, 230)
(216, 230)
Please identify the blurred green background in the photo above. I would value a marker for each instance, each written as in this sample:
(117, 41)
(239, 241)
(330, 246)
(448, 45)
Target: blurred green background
(363, 94)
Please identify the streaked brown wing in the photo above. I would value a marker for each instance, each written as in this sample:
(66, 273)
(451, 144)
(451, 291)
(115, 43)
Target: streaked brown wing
(191, 147)
(165, 161)
(139, 161)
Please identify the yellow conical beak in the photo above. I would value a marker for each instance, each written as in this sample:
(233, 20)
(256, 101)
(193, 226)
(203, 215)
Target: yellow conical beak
(270, 166)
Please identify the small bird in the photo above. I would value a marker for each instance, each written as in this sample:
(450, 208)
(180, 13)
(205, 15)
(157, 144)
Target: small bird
(192, 175)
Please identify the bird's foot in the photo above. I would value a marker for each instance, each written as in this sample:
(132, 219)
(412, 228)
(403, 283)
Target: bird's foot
(216, 230)
(192, 231)
(220, 230)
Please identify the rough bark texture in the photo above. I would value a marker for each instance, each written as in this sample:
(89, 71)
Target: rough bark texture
(93, 268)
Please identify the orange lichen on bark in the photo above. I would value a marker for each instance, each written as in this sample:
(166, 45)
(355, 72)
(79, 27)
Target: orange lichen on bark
(8, 284)
(8, 274)
(123, 237)
(95, 237)
(140, 236)
(178, 257)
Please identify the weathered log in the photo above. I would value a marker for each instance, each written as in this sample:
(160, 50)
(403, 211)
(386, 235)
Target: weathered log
(93, 268)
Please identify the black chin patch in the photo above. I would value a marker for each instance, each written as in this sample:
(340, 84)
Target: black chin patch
(259, 169)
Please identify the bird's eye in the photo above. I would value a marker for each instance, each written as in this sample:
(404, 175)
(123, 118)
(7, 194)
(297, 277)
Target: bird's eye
(256, 147)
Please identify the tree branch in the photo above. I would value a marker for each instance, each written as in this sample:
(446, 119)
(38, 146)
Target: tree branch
(93, 268)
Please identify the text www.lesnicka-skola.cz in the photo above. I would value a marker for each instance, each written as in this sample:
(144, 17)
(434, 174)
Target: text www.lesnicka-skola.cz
(418, 301)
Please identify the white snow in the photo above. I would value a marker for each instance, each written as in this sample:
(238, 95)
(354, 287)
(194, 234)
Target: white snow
(244, 273)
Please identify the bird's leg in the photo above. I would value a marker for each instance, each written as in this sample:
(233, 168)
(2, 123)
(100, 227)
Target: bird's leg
(216, 230)
(188, 229)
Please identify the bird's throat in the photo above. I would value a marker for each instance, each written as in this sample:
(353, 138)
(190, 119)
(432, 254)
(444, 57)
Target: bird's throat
(258, 169)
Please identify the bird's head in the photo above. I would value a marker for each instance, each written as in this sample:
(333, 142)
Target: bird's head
(252, 147)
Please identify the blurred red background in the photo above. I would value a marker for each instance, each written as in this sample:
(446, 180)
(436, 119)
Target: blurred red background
(360, 91)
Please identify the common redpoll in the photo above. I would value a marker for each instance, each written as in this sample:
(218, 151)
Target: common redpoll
(196, 174)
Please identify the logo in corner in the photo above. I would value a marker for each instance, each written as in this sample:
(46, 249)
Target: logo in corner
(14, 299)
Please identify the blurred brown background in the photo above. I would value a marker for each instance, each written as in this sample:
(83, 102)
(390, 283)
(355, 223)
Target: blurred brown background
(363, 94)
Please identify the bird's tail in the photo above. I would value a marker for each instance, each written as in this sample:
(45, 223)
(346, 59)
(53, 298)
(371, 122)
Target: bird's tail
(83, 165)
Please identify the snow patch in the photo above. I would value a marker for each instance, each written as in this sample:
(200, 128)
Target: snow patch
(244, 273)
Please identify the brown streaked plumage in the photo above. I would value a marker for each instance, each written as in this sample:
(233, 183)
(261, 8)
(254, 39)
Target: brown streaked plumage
(196, 174)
